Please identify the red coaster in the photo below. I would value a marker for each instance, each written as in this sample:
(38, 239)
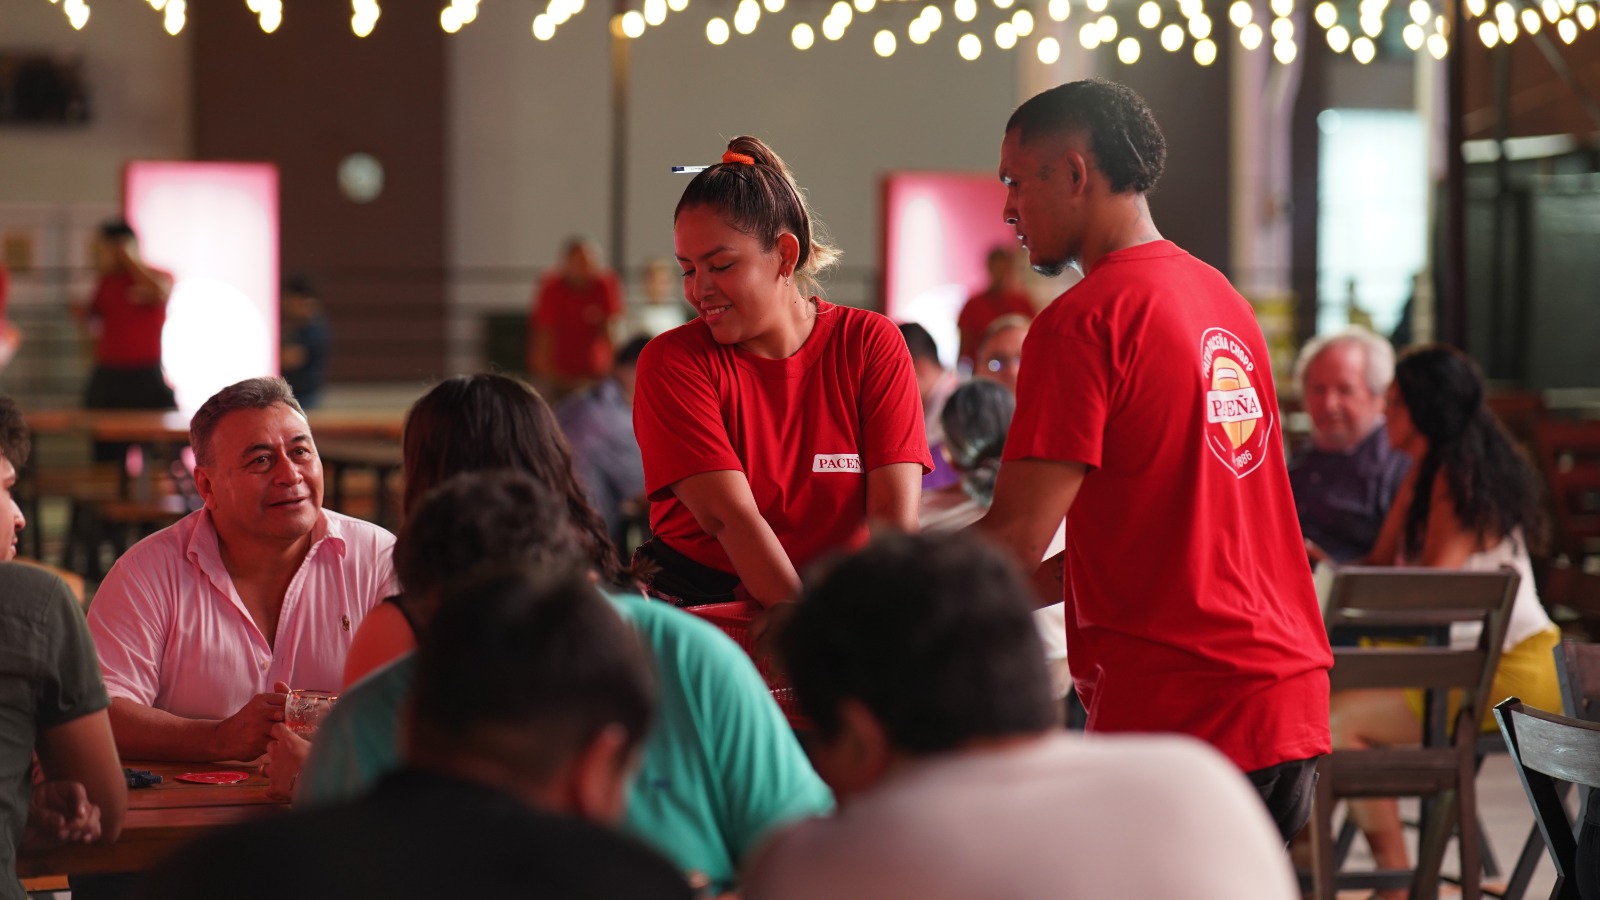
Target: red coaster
(213, 777)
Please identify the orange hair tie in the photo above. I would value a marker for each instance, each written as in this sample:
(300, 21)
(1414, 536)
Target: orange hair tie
(732, 157)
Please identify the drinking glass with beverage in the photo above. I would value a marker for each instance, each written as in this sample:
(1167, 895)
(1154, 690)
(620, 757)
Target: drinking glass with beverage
(304, 710)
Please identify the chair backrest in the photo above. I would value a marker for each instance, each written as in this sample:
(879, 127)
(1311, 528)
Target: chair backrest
(1569, 455)
(1578, 668)
(1423, 603)
(1547, 748)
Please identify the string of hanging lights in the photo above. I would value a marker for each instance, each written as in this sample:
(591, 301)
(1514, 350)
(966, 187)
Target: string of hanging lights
(1355, 29)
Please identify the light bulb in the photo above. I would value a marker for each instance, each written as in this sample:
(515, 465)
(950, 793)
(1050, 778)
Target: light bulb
(1005, 37)
(1240, 13)
(1107, 27)
(1172, 37)
(1200, 27)
(969, 47)
(883, 42)
(717, 30)
(1049, 51)
(1205, 52)
(1128, 50)
(1338, 39)
(1089, 36)
(633, 24)
(1364, 50)
(1060, 9)
(802, 37)
(1150, 14)
(1250, 36)
(1327, 14)
(1022, 21)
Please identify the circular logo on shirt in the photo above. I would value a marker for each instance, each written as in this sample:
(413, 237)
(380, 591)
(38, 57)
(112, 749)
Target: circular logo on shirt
(1238, 425)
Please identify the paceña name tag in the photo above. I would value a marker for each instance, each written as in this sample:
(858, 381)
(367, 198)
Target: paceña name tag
(836, 462)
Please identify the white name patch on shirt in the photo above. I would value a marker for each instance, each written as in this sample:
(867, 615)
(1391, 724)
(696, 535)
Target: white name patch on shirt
(836, 462)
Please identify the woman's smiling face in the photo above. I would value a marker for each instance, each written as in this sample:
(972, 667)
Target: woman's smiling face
(728, 277)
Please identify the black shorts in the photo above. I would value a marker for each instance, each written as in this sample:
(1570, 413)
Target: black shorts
(1286, 789)
(680, 580)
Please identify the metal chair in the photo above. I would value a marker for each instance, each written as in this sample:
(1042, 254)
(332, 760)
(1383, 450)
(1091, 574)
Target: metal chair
(1549, 750)
(1422, 603)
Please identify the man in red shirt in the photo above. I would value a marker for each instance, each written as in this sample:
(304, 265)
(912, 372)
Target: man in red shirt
(1001, 298)
(1146, 414)
(124, 318)
(569, 332)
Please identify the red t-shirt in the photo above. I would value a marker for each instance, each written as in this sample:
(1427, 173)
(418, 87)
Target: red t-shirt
(804, 430)
(980, 312)
(130, 333)
(1190, 605)
(575, 318)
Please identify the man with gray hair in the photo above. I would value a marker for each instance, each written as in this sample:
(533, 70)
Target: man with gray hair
(203, 627)
(1346, 475)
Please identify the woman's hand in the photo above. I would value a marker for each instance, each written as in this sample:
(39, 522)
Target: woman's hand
(286, 756)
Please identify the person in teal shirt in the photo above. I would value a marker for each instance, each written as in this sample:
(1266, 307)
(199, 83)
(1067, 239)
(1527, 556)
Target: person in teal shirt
(721, 767)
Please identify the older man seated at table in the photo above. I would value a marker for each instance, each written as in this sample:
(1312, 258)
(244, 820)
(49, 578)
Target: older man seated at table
(1345, 476)
(203, 626)
(532, 702)
(917, 660)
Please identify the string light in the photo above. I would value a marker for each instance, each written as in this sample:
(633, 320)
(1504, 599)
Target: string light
(1172, 38)
(1421, 12)
(1205, 52)
(1338, 39)
(717, 31)
(1150, 13)
(803, 37)
(931, 18)
(1240, 13)
(174, 16)
(1327, 14)
(1284, 51)
(1552, 11)
(363, 16)
(1364, 50)
(1568, 30)
(1005, 36)
(543, 27)
(77, 13)
(269, 14)
(1530, 21)
(1049, 51)
(1089, 36)
(1438, 46)
(1413, 36)
(1508, 30)
(832, 28)
(1587, 17)
(1476, 8)
(1107, 27)
(655, 12)
(884, 43)
(633, 23)
(865, 6)
(965, 10)
(1200, 27)
(1097, 5)
(1488, 33)
(1250, 36)
(1021, 20)
(1128, 50)
(1282, 8)
(681, 5)
(969, 47)
(1060, 9)
(747, 16)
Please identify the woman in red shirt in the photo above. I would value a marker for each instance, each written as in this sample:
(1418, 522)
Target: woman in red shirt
(774, 425)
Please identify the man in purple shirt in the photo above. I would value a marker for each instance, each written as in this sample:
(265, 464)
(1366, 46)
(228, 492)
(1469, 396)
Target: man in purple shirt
(1345, 477)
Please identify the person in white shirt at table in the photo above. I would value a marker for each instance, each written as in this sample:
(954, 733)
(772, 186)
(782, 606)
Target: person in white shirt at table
(917, 661)
(202, 627)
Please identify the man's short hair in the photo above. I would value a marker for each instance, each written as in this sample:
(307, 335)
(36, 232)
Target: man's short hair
(1377, 351)
(919, 342)
(116, 230)
(477, 520)
(251, 393)
(529, 669)
(1123, 136)
(629, 354)
(15, 442)
(933, 633)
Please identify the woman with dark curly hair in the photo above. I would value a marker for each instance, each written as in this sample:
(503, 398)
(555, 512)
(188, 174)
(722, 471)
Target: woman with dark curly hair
(1471, 501)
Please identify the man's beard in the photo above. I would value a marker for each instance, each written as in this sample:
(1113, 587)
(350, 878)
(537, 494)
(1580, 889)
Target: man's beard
(1055, 268)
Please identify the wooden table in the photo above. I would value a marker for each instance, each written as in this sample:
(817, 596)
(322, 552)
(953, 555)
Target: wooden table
(382, 458)
(161, 819)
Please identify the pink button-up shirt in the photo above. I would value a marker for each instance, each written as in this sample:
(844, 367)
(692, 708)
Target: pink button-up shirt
(172, 633)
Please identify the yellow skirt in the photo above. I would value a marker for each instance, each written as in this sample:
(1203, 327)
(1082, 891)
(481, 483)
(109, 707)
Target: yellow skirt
(1527, 672)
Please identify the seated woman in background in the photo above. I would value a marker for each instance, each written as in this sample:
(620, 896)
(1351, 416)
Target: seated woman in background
(1471, 502)
(473, 423)
(975, 420)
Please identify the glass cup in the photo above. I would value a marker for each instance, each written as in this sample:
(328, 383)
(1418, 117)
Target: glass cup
(304, 710)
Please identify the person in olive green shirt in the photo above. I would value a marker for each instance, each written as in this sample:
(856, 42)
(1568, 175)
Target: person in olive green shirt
(52, 702)
(721, 767)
